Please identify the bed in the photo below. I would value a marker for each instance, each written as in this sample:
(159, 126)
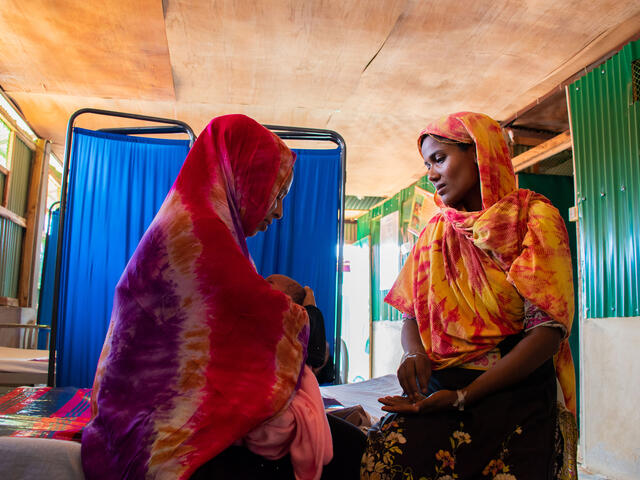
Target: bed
(40, 427)
(23, 366)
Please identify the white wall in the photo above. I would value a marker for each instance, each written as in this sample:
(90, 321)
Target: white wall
(12, 337)
(387, 349)
(610, 400)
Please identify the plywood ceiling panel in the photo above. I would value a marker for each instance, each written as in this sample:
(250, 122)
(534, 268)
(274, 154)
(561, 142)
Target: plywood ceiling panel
(375, 72)
(111, 48)
(49, 113)
(293, 53)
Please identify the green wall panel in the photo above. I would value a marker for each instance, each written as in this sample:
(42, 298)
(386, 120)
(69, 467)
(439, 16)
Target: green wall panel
(364, 225)
(10, 249)
(369, 224)
(20, 171)
(606, 134)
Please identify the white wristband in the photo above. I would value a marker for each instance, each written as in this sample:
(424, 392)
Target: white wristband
(459, 403)
(406, 355)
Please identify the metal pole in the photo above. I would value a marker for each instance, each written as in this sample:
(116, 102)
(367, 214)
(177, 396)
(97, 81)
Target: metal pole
(63, 206)
(296, 133)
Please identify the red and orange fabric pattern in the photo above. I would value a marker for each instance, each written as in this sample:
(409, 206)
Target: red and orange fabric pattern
(200, 349)
(45, 412)
(469, 274)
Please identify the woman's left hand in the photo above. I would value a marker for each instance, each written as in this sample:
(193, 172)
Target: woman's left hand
(438, 401)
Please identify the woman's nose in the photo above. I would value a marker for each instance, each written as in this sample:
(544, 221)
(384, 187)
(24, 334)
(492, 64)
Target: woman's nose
(277, 213)
(433, 175)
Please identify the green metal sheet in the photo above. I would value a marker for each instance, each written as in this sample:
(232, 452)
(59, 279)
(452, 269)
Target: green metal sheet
(352, 202)
(606, 134)
(364, 225)
(20, 172)
(425, 184)
(10, 250)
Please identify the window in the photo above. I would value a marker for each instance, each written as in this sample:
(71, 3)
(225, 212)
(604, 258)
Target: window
(5, 134)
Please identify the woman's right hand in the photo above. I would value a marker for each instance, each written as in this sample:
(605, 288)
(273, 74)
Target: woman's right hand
(415, 366)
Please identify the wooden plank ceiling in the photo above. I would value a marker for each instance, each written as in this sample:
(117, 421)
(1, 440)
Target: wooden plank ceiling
(375, 72)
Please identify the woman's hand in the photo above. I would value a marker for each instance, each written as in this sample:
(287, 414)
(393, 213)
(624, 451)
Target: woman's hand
(439, 401)
(415, 366)
(309, 297)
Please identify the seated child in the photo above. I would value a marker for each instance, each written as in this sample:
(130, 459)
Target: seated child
(318, 351)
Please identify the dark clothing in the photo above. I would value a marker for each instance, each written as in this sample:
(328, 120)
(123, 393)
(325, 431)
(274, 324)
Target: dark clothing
(317, 339)
(511, 431)
(317, 349)
(240, 463)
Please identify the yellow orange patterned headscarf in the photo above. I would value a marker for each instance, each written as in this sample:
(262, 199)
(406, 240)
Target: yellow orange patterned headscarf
(469, 274)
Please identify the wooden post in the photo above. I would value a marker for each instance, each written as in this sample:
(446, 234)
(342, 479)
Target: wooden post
(39, 223)
(29, 249)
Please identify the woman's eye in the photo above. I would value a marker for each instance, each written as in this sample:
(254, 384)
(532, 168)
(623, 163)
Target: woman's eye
(440, 158)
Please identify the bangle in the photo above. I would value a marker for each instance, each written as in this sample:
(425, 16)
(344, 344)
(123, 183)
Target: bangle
(459, 403)
(406, 355)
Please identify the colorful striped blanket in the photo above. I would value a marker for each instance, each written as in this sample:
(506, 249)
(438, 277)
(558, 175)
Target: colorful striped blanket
(45, 412)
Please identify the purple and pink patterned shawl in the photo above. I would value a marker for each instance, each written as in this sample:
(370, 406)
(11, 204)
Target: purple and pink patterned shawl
(200, 349)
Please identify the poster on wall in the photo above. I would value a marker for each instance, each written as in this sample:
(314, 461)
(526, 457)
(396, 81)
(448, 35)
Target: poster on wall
(423, 208)
(389, 250)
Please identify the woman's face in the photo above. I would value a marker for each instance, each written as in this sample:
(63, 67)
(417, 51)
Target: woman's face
(276, 209)
(454, 173)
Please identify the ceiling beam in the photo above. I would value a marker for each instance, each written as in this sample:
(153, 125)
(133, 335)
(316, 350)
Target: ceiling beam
(543, 151)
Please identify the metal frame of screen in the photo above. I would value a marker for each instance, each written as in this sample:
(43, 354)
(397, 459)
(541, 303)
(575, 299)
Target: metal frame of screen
(175, 126)
(313, 134)
(165, 126)
(53, 206)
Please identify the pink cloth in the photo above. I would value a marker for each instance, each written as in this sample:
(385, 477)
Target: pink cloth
(301, 429)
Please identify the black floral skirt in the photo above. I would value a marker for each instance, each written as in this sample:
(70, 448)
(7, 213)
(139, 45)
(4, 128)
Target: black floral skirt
(510, 435)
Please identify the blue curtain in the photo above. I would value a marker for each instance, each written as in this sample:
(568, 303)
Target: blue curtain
(45, 305)
(304, 243)
(116, 185)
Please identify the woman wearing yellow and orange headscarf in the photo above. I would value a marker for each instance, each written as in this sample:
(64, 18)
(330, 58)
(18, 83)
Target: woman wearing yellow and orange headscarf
(487, 297)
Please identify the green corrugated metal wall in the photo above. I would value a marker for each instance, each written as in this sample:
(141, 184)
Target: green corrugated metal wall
(369, 224)
(10, 249)
(606, 135)
(11, 234)
(20, 170)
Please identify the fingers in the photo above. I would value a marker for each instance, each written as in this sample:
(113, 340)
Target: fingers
(423, 373)
(407, 378)
(439, 401)
(397, 404)
(393, 400)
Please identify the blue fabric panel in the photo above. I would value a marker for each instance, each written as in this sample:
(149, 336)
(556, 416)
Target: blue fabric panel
(304, 243)
(45, 307)
(117, 183)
